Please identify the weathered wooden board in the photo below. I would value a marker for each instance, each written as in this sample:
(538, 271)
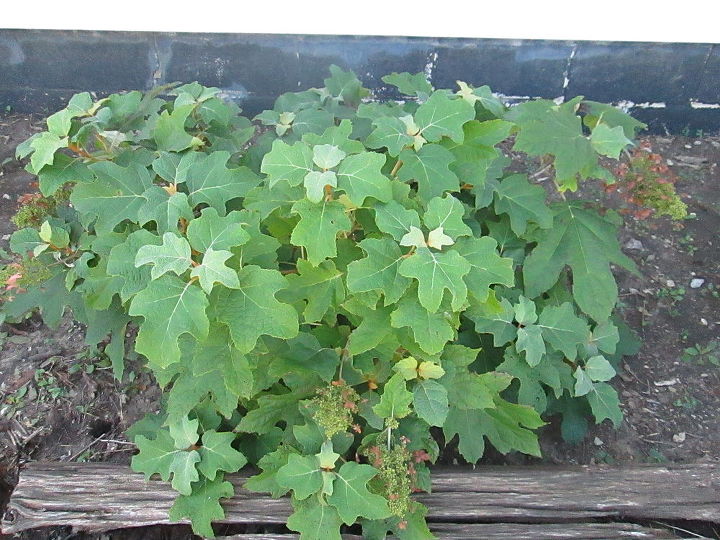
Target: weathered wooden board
(99, 497)
(514, 531)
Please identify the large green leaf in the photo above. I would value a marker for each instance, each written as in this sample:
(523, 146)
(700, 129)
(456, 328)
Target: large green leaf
(212, 231)
(442, 116)
(435, 272)
(173, 255)
(318, 228)
(557, 131)
(430, 400)
(320, 288)
(210, 181)
(315, 520)
(430, 168)
(379, 270)
(251, 310)
(171, 308)
(432, 330)
(288, 163)
(360, 177)
(203, 505)
(588, 244)
(116, 195)
(302, 474)
(563, 329)
(351, 497)
(486, 266)
(523, 202)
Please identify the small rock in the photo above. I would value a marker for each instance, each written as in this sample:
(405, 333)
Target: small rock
(669, 382)
(670, 283)
(6, 237)
(679, 437)
(703, 321)
(697, 143)
(634, 243)
(598, 441)
(670, 162)
(6, 196)
(688, 146)
(696, 283)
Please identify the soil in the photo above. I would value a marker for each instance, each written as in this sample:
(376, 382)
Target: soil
(59, 401)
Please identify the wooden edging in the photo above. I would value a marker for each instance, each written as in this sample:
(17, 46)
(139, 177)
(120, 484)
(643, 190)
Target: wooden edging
(509, 502)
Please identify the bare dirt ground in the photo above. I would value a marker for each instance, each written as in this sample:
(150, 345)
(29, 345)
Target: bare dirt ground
(59, 401)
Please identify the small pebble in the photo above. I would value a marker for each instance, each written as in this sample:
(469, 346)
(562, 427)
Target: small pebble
(633, 243)
(697, 143)
(6, 196)
(679, 437)
(688, 146)
(670, 283)
(670, 162)
(598, 441)
(696, 283)
(703, 321)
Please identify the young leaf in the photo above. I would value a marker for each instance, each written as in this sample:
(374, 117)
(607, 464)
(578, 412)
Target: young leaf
(395, 400)
(172, 256)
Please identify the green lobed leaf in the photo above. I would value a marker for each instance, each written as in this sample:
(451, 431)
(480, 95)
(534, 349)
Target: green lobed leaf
(379, 270)
(443, 116)
(217, 454)
(251, 310)
(430, 168)
(436, 272)
(318, 228)
(315, 520)
(360, 177)
(301, 474)
(523, 202)
(202, 507)
(351, 497)
(395, 400)
(588, 244)
(170, 308)
(173, 255)
(430, 401)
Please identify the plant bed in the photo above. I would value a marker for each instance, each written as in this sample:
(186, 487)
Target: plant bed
(316, 161)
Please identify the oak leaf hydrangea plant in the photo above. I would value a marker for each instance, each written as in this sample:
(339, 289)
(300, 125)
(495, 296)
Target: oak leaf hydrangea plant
(336, 290)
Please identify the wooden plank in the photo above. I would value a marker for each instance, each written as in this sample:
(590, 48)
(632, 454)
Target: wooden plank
(515, 531)
(99, 497)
